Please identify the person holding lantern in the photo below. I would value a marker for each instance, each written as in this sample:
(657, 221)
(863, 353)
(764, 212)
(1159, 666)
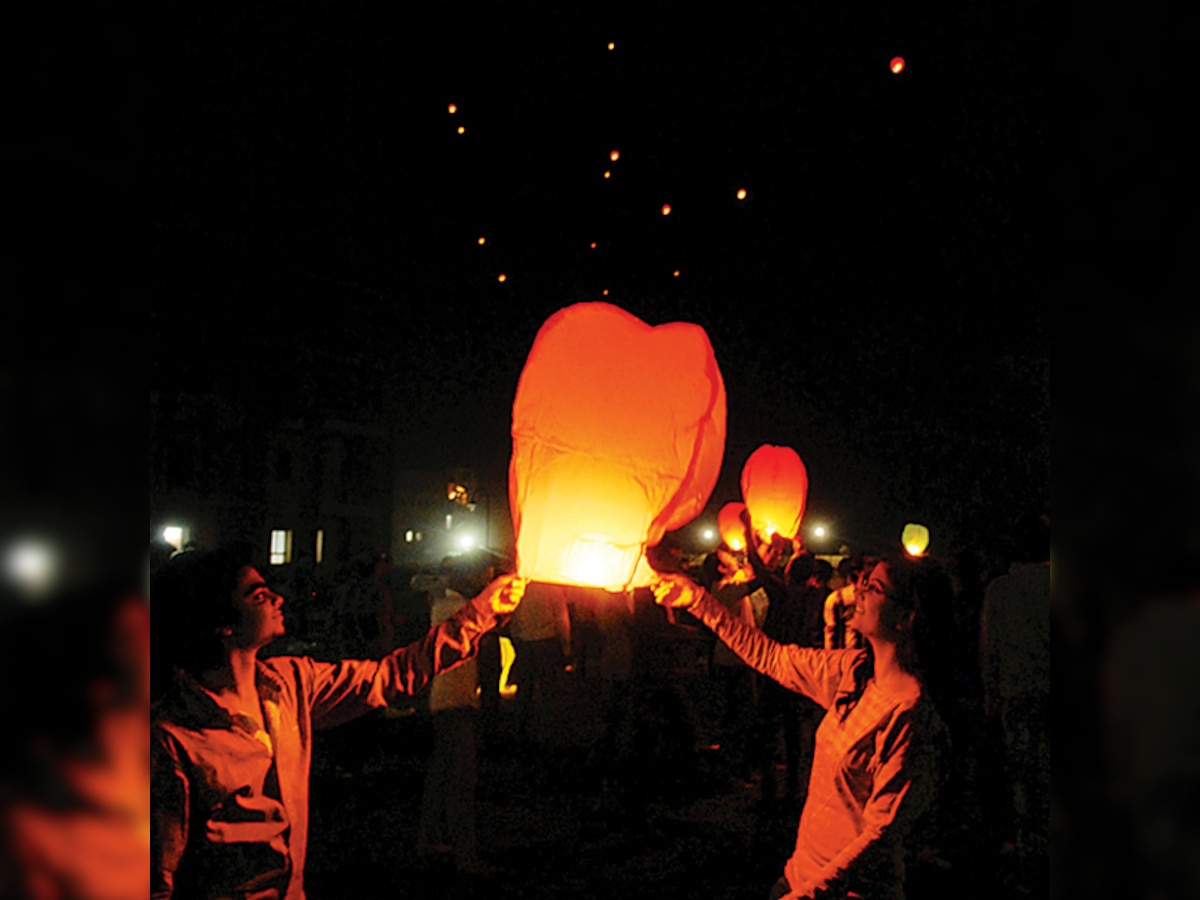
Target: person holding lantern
(231, 738)
(881, 746)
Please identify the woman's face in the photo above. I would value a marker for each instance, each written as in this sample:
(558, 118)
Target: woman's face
(870, 601)
(260, 613)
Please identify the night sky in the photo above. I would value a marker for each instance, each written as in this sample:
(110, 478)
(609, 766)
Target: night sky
(876, 301)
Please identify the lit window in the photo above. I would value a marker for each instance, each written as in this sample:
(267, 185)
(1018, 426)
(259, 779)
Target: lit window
(320, 544)
(281, 547)
(408, 536)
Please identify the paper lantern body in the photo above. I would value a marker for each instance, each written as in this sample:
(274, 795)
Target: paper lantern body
(915, 539)
(729, 523)
(775, 489)
(618, 435)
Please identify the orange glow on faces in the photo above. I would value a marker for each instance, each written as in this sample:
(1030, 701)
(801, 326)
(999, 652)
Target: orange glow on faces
(615, 155)
(666, 209)
(461, 130)
(452, 108)
(601, 468)
(502, 277)
(896, 65)
(741, 194)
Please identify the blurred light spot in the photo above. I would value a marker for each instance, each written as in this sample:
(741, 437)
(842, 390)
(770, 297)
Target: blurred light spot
(605, 292)
(452, 108)
(593, 245)
(676, 273)
(896, 65)
(819, 531)
(461, 130)
(173, 535)
(666, 210)
(502, 277)
(741, 194)
(615, 155)
(607, 174)
(708, 534)
(482, 241)
(611, 45)
(31, 565)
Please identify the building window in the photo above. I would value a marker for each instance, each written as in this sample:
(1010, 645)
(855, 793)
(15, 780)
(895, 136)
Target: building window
(281, 547)
(320, 544)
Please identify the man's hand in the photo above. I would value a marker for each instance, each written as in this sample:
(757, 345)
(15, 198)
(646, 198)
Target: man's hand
(675, 591)
(504, 594)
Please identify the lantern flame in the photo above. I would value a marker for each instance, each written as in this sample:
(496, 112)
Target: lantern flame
(729, 523)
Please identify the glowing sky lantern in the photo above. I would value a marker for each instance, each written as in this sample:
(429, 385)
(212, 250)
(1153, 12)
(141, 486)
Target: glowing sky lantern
(618, 434)
(675, 273)
(729, 523)
(502, 277)
(615, 155)
(666, 209)
(461, 130)
(741, 193)
(607, 174)
(593, 245)
(775, 489)
(915, 539)
(452, 108)
(482, 241)
(896, 65)
(611, 45)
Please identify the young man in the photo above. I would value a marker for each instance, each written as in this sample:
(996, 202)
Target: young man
(231, 739)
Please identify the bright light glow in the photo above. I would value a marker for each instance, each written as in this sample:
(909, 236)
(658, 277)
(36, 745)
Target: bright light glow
(593, 245)
(611, 45)
(173, 535)
(466, 541)
(502, 277)
(594, 561)
(31, 564)
(408, 536)
(449, 522)
(605, 292)
(708, 534)
(741, 194)
(666, 210)
(607, 174)
(896, 65)
(915, 539)
(281, 547)
(615, 155)
(461, 129)
(482, 241)
(508, 654)
(452, 108)
(819, 531)
(675, 273)
(320, 544)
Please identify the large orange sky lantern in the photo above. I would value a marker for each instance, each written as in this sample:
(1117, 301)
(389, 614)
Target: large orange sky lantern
(729, 523)
(618, 435)
(775, 489)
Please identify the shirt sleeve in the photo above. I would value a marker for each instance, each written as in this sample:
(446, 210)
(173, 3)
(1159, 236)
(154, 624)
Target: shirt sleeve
(806, 670)
(347, 689)
(170, 809)
(904, 786)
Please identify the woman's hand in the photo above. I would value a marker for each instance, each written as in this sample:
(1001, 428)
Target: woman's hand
(675, 591)
(504, 594)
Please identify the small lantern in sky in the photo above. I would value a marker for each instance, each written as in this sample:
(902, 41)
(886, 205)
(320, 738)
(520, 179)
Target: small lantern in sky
(675, 273)
(896, 65)
(775, 490)
(618, 434)
(502, 277)
(915, 539)
(461, 130)
(593, 245)
(482, 241)
(741, 193)
(611, 45)
(452, 108)
(607, 173)
(615, 155)
(729, 523)
(605, 292)
(666, 209)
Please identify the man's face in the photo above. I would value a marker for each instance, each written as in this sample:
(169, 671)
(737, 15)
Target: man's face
(260, 611)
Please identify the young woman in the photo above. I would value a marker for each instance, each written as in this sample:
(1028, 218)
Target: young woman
(880, 747)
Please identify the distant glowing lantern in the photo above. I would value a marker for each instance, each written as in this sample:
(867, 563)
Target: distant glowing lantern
(611, 45)
(775, 490)
(729, 523)
(453, 109)
(605, 292)
(602, 467)
(896, 65)
(607, 174)
(741, 194)
(666, 210)
(915, 539)
(615, 155)
(502, 277)
(675, 273)
(593, 245)
(482, 241)
(461, 130)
